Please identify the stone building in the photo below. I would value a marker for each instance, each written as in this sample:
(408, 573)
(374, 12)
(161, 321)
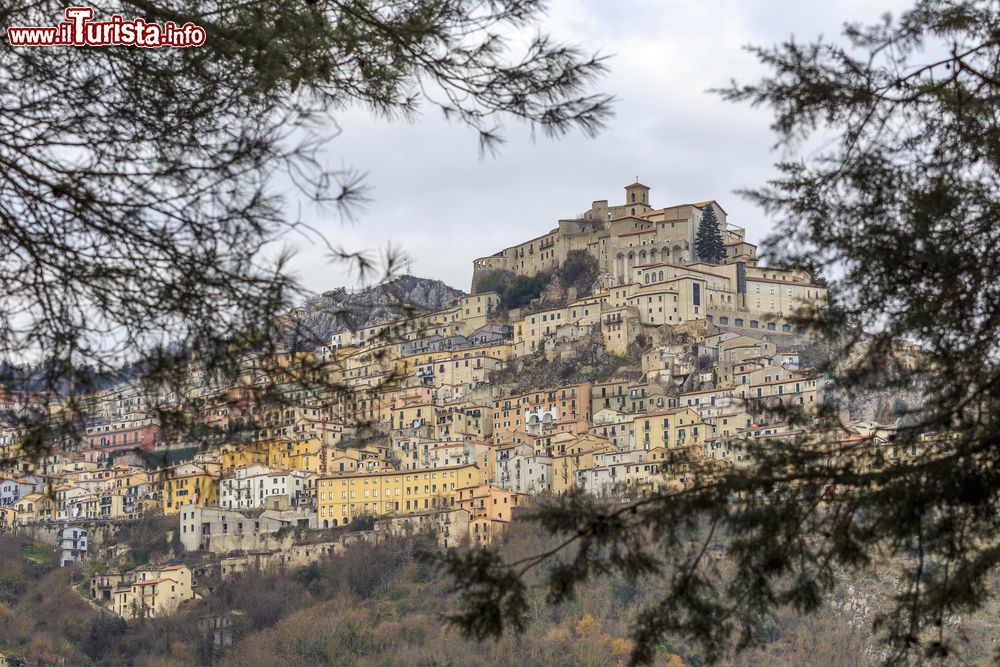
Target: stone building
(622, 237)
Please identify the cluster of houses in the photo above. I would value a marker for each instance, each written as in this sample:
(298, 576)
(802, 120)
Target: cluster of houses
(411, 427)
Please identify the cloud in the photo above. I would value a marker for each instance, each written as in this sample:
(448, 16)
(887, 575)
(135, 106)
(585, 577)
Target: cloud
(434, 196)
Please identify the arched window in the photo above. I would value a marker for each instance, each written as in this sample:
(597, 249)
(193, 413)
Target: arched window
(633, 201)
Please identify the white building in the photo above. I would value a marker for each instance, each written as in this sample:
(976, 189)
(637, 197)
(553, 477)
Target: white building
(520, 469)
(73, 543)
(251, 486)
(12, 490)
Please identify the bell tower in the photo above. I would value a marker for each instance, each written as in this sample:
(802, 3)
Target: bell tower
(637, 198)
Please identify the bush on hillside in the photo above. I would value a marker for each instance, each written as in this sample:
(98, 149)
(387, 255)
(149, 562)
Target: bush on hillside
(579, 271)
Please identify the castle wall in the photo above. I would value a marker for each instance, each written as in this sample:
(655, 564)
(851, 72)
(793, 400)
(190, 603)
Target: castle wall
(621, 238)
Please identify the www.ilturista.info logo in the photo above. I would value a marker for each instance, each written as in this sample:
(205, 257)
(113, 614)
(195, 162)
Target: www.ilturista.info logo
(79, 30)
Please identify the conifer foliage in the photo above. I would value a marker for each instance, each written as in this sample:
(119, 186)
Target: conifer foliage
(901, 205)
(138, 210)
(708, 242)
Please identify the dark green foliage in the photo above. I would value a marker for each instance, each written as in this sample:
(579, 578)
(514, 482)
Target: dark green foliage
(497, 280)
(493, 596)
(708, 242)
(308, 574)
(524, 289)
(140, 213)
(10, 588)
(515, 291)
(362, 522)
(103, 634)
(899, 209)
(579, 271)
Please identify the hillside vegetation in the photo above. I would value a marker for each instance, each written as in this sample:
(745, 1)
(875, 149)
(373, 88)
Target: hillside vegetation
(383, 605)
(549, 289)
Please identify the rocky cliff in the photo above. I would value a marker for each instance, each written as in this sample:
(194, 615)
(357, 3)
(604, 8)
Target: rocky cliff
(313, 323)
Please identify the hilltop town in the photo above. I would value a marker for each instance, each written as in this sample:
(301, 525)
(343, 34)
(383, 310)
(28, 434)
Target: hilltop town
(603, 355)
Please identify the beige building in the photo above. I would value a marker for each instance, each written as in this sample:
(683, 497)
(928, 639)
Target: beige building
(154, 593)
(648, 255)
(671, 429)
(490, 511)
(621, 237)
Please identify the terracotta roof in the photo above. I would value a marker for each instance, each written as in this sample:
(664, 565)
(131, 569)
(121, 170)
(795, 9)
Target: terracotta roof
(637, 184)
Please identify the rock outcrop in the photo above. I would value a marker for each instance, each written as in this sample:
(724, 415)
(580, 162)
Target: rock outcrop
(322, 315)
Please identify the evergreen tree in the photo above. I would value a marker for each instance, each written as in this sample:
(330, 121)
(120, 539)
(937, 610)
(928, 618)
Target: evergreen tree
(708, 242)
(899, 208)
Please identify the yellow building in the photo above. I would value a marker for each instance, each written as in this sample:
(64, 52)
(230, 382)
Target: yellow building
(294, 455)
(413, 416)
(680, 427)
(578, 456)
(342, 498)
(189, 483)
(8, 519)
(240, 456)
(35, 507)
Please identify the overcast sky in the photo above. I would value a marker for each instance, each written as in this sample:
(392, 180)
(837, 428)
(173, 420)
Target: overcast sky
(437, 198)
